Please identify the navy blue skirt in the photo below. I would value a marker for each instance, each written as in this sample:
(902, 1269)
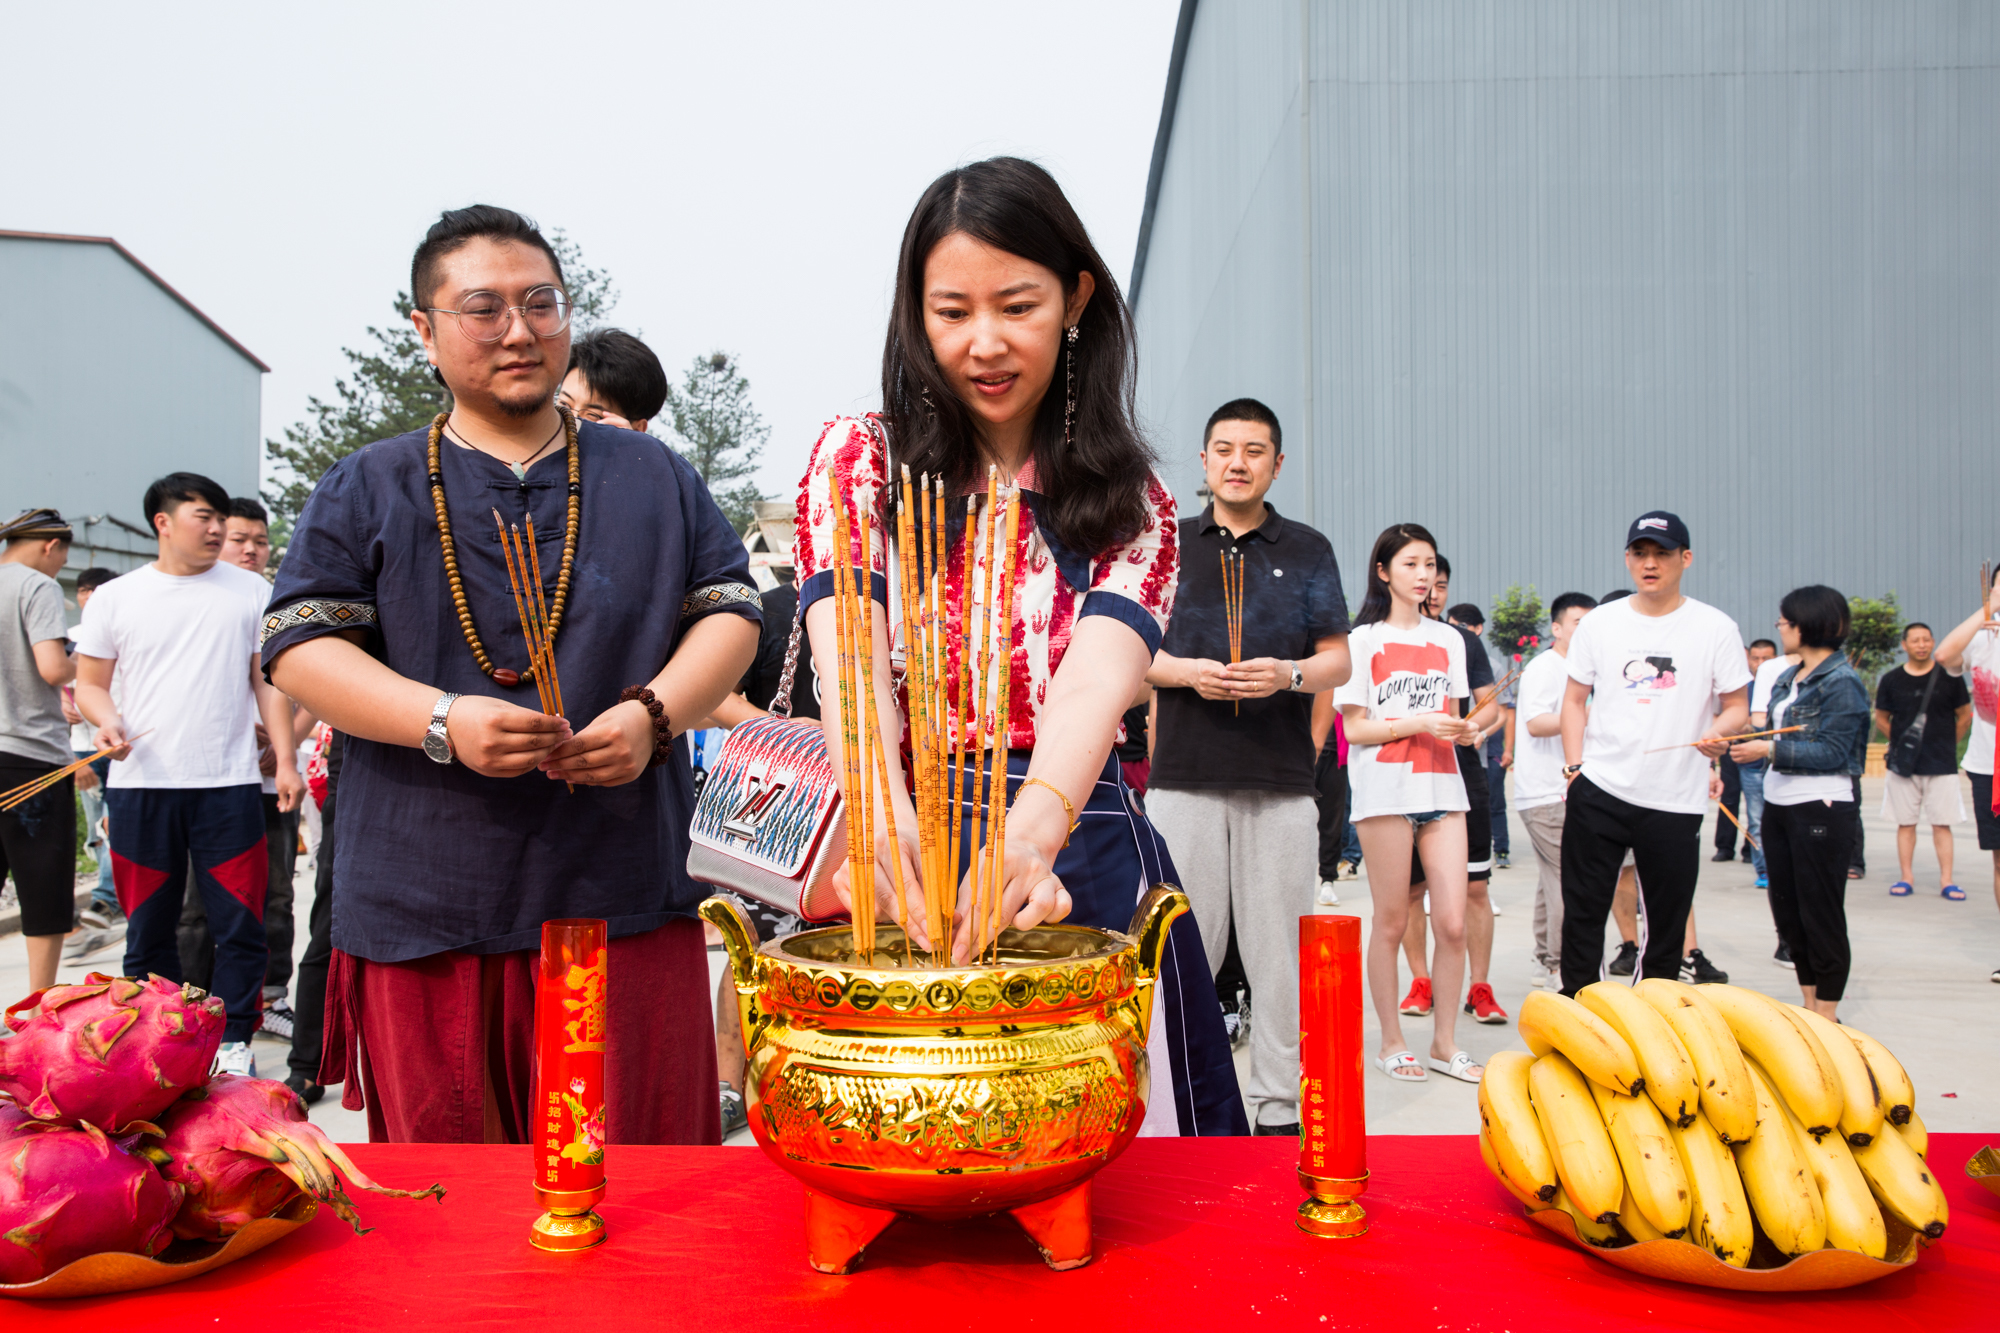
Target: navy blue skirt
(1112, 859)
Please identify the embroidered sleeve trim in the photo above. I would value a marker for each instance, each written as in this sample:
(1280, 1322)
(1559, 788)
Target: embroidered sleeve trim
(333, 615)
(718, 597)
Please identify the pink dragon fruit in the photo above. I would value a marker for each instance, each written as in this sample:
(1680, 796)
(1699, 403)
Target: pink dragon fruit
(112, 1052)
(243, 1148)
(66, 1193)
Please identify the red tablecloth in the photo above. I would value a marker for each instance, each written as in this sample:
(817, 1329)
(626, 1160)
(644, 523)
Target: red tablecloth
(1191, 1233)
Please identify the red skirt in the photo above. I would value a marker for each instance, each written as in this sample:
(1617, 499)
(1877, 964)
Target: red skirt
(444, 1046)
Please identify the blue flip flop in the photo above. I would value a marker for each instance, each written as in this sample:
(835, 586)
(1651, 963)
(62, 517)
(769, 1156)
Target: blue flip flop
(1902, 888)
(1954, 893)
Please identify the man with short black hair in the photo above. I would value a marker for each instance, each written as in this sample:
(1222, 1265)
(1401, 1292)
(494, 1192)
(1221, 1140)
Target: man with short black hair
(1636, 752)
(1921, 786)
(1232, 784)
(37, 837)
(614, 378)
(180, 638)
(455, 773)
(1538, 781)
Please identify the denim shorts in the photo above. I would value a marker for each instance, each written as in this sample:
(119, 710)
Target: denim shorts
(1427, 817)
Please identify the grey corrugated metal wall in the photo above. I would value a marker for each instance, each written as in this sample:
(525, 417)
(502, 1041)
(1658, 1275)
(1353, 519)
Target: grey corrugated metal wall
(106, 382)
(1572, 259)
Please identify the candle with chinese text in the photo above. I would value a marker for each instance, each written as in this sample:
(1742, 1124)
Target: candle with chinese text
(1333, 1128)
(567, 1137)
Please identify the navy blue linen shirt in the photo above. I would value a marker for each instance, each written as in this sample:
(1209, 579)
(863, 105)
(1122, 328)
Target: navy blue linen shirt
(434, 856)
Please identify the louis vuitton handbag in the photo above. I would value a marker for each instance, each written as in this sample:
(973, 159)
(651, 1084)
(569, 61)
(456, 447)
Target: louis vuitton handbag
(770, 824)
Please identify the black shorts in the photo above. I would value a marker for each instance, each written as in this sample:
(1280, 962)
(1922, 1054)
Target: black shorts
(1982, 812)
(38, 847)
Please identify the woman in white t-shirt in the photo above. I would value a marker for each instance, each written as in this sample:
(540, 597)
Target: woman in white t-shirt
(1405, 787)
(1972, 649)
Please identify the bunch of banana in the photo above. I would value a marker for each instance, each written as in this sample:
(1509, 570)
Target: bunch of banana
(1664, 1111)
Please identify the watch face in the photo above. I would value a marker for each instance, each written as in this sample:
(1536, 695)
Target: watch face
(437, 746)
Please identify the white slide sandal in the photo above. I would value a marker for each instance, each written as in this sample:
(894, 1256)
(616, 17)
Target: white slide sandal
(1460, 1067)
(1402, 1067)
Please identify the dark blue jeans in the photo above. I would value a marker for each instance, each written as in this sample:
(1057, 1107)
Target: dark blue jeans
(155, 833)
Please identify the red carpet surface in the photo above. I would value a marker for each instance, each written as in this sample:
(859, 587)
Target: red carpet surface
(1191, 1234)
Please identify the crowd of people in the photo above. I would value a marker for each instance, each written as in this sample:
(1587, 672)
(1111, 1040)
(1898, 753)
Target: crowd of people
(1224, 722)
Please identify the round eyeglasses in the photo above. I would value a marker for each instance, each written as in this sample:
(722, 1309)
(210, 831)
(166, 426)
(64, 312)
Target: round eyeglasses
(485, 316)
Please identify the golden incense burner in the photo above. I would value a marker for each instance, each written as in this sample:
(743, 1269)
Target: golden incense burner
(947, 1092)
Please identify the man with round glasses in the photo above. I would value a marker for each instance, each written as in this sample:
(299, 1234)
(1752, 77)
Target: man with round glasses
(394, 618)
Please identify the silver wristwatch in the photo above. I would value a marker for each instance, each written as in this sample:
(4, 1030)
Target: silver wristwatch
(1298, 676)
(437, 744)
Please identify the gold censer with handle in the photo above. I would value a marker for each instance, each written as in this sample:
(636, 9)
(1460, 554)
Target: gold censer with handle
(947, 1092)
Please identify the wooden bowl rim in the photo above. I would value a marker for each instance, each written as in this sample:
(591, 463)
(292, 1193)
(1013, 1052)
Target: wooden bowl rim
(110, 1273)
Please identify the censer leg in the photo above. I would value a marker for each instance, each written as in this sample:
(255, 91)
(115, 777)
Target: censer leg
(1060, 1227)
(837, 1232)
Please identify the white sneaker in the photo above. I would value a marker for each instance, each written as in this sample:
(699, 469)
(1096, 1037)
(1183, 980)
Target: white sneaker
(1328, 896)
(1543, 980)
(1496, 906)
(1427, 902)
(235, 1058)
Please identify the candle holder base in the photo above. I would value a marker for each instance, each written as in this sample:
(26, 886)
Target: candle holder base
(1333, 1211)
(1337, 1219)
(567, 1231)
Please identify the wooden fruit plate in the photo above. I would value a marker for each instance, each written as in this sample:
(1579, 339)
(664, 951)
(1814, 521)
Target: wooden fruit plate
(107, 1274)
(1682, 1261)
(1984, 1167)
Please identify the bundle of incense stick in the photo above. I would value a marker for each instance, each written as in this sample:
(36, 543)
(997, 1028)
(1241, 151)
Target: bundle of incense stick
(1739, 826)
(524, 559)
(34, 787)
(1498, 685)
(958, 706)
(1232, 607)
(1739, 736)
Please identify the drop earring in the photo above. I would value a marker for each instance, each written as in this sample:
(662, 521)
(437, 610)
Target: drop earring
(1069, 368)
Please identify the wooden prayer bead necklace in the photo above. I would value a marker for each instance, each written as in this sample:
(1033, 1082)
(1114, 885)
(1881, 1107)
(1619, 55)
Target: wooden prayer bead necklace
(504, 675)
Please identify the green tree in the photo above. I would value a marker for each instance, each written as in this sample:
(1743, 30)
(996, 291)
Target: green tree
(1515, 628)
(390, 390)
(716, 428)
(1874, 633)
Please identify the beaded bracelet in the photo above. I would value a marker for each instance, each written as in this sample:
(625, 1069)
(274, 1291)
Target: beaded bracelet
(663, 731)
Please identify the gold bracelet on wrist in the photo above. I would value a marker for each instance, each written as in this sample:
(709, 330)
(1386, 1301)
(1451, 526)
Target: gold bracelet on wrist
(1068, 808)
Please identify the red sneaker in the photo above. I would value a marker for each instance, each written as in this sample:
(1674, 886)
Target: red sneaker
(1417, 1004)
(1479, 1002)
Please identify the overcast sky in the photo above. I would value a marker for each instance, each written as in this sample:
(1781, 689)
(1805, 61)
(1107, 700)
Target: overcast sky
(743, 171)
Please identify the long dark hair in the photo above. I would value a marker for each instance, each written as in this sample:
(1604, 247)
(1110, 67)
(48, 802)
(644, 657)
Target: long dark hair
(1096, 488)
(1375, 602)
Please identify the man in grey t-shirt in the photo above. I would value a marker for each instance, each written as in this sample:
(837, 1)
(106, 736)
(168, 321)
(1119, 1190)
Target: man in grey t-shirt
(38, 836)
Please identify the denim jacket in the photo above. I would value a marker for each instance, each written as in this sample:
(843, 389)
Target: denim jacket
(1832, 706)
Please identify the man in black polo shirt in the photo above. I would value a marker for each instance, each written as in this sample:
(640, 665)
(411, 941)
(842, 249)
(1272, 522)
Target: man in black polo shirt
(1232, 782)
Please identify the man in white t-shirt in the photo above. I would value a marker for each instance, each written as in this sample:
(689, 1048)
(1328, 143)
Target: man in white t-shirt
(180, 637)
(1640, 724)
(1538, 777)
(1972, 650)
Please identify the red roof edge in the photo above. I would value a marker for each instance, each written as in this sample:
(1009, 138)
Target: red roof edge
(158, 281)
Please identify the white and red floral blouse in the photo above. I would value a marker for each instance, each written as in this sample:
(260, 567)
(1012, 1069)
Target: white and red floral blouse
(1054, 587)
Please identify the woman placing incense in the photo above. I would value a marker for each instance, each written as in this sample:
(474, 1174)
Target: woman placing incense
(1022, 577)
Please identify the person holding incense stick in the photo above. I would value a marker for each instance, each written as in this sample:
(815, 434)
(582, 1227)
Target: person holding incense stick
(1972, 650)
(478, 669)
(1640, 724)
(1820, 710)
(1260, 626)
(986, 564)
(37, 836)
(1404, 733)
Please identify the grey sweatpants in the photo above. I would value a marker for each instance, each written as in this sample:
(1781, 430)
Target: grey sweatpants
(1545, 830)
(1251, 856)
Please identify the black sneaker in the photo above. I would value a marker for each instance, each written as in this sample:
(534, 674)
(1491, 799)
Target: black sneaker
(734, 1115)
(1748, 856)
(1698, 971)
(278, 1020)
(1627, 959)
(1290, 1131)
(309, 1092)
(1723, 857)
(1783, 957)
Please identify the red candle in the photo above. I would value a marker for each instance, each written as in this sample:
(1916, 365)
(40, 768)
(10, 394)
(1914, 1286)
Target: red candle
(1333, 1141)
(567, 1140)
